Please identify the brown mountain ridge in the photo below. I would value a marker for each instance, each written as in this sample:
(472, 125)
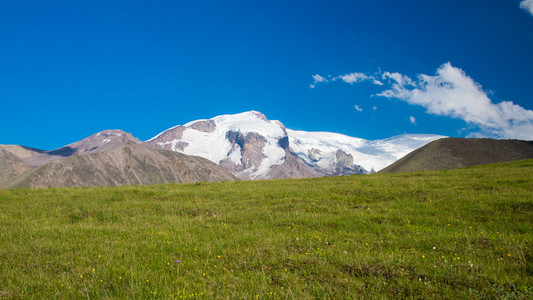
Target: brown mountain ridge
(126, 164)
(451, 153)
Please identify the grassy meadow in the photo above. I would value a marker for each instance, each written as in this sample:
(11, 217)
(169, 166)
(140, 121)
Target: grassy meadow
(431, 235)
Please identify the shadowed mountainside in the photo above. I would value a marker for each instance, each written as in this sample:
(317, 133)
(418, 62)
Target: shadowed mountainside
(128, 164)
(451, 153)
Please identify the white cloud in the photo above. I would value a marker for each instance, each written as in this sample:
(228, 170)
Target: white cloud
(353, 77)
(412, 120)
(350, 78)
(527, 5)
(374, 107)
(358, 108)
(452, 93)
(317, 79)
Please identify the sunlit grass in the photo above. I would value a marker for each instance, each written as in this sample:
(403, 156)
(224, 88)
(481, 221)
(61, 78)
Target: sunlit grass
(449, 234)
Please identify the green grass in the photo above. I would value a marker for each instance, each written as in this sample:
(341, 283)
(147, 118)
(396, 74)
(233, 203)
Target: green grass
(433, 235)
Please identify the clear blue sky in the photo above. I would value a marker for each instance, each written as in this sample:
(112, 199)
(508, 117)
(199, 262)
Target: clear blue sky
(69, 69)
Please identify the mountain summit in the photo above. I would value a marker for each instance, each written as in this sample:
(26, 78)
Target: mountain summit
(253, 147)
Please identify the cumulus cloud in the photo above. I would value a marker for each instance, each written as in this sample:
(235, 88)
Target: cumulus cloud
(358, 108)
(527, 5)
(452, 93)
(412, 120)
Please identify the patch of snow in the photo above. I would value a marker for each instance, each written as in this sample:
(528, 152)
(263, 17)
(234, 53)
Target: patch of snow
(371, 155)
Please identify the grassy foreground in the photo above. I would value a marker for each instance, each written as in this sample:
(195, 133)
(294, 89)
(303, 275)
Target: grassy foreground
(449, 234)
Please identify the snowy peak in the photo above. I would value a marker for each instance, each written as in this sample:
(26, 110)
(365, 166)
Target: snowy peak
(253, 147)
(247, 144)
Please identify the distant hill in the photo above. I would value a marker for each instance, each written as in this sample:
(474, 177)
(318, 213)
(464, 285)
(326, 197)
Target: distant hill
(127, 164)
(451, 153)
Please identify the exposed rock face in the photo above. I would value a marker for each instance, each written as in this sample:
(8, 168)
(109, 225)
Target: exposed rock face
(314, 154)
(10, 166)
(128, 164)
(204, 126)
(344, 164)
(251, 147)
(168, 140)
(293, 167)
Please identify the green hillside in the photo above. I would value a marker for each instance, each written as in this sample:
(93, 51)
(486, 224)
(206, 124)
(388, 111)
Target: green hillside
(431, 235)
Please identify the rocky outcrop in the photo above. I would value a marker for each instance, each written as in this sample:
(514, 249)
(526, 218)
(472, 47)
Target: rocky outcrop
(168, 140)
(344, 165)
(204, 126)
(293, 167)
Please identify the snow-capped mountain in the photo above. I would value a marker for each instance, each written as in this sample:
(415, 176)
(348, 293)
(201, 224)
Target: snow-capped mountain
(253, 147)
(323, 148)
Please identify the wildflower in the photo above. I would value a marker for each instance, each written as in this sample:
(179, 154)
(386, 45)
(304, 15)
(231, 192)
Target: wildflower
(508, 254)
(147, 280)
(120, 277)
(203, 274)
(99, 256)
(177, 260)
(423, 256)
(81, 276)
(219, 256)
(94, 269)
(434, 248)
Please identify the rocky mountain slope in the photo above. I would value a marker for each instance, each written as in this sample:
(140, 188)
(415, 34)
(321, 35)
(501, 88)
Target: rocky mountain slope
(253, 147)
(451, 153)
(126, 164)
(10, 166)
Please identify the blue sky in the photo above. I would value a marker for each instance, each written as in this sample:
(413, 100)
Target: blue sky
(69, 69)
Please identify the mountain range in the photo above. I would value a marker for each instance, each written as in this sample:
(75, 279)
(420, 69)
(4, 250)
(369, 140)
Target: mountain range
(247, 145)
